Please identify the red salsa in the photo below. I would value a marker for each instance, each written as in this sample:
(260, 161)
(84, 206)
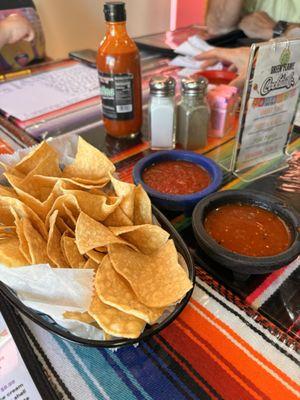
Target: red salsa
(248, 230)
(176, 177)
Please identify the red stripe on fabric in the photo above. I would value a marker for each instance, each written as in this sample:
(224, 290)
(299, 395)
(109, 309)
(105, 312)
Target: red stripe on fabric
(187, 370)
(197, 354)
(264, 285)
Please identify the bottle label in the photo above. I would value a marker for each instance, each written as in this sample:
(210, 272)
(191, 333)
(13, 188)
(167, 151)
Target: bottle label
(116, 92)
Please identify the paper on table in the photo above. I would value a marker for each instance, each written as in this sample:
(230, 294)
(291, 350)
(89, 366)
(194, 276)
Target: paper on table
(199, 43)
(52, 90)
(53, 291)
(187, 61)
(191, 65)
(193, 46)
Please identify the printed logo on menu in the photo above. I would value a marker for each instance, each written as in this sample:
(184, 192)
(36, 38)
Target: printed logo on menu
(286, 79)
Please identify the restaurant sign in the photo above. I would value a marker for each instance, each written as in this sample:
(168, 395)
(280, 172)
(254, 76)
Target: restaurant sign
(269, 103)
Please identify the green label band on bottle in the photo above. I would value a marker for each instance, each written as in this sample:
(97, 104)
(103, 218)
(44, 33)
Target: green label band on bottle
(116, 91)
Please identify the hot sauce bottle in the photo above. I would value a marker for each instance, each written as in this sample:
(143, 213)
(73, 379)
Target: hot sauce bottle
(118, 64)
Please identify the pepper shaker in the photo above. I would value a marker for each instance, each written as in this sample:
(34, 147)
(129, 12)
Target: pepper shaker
(162, 113)
(193, 114)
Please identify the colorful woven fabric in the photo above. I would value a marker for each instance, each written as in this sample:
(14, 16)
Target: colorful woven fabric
(269, 286)
(214, 350)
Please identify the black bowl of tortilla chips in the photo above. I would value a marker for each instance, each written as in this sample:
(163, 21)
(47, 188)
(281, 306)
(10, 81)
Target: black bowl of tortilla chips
(80, 215)
(150, 330)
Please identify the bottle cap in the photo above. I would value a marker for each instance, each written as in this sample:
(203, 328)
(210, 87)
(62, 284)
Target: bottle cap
(114, 11)
(162, 86)
(194, 87)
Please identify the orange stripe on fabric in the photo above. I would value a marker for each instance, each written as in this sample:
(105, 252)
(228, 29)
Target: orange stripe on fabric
(208, 367)
(216, 359)
(238, 358)
(183, 366)
(246, 345)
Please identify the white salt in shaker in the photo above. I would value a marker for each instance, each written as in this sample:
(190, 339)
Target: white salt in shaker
(162, 113)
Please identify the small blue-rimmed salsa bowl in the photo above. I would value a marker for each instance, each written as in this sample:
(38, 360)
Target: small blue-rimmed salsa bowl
(178, 202)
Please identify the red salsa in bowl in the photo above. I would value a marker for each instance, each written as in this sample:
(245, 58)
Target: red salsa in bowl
(248, 230)
(176, 177)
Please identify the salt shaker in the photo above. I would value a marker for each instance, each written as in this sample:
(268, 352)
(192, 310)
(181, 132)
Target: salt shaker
(193, 114)
(162, 113)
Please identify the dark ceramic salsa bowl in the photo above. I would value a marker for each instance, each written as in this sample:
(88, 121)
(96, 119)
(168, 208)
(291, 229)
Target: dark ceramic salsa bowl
(237, 262)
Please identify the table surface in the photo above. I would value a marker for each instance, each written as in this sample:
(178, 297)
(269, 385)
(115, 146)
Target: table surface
(237, 339)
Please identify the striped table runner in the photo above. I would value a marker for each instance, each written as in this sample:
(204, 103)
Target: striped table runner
(214, 350)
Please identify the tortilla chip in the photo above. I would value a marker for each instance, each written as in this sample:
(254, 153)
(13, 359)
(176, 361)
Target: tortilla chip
(35, 185)
(90, 234)
(117, 218)
(7, 191)
(157, 279)
(107, 336)
(70, 215)
(96, 256)
(36, 243)
(10, 255)
(126, 192)
(102, 249)
(75, 259)
(54, 251)
(4, 228)
(79, 316)
(40, 188)
(73, 183)
(31, 160)
(48, 166)
(115, 322)
(115, 291)
(92, 182)
(146, 238)
(40, 208)
(91, 264)
(63, 227)
(90, 163)
(69, 201)
(142, 207)
(23, 244)
(22, 210)
(96, 207)
(7, 234)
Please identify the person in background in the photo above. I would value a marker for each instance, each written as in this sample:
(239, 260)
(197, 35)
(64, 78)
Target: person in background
(14, 28)
(21, 35)
(236, 59)
(258, 19)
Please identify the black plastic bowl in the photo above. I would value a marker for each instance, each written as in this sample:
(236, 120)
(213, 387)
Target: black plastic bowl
(47, 323)
(237, 262)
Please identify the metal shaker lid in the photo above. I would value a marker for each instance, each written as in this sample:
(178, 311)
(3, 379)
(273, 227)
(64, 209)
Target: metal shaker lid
(162, 86)
(194, 86)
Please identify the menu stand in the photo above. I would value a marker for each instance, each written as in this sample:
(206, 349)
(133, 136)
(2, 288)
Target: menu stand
(269, 104)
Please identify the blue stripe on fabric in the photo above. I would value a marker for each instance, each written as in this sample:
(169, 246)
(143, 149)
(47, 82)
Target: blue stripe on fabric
(125, 375)
(155, 383)
(97, 365)
(172, 374)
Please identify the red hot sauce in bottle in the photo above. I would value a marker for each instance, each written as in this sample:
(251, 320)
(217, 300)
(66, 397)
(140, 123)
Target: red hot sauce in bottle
(118, 64)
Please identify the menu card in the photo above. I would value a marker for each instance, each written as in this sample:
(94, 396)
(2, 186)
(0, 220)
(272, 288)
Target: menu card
(15, 380)
(269, 102)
